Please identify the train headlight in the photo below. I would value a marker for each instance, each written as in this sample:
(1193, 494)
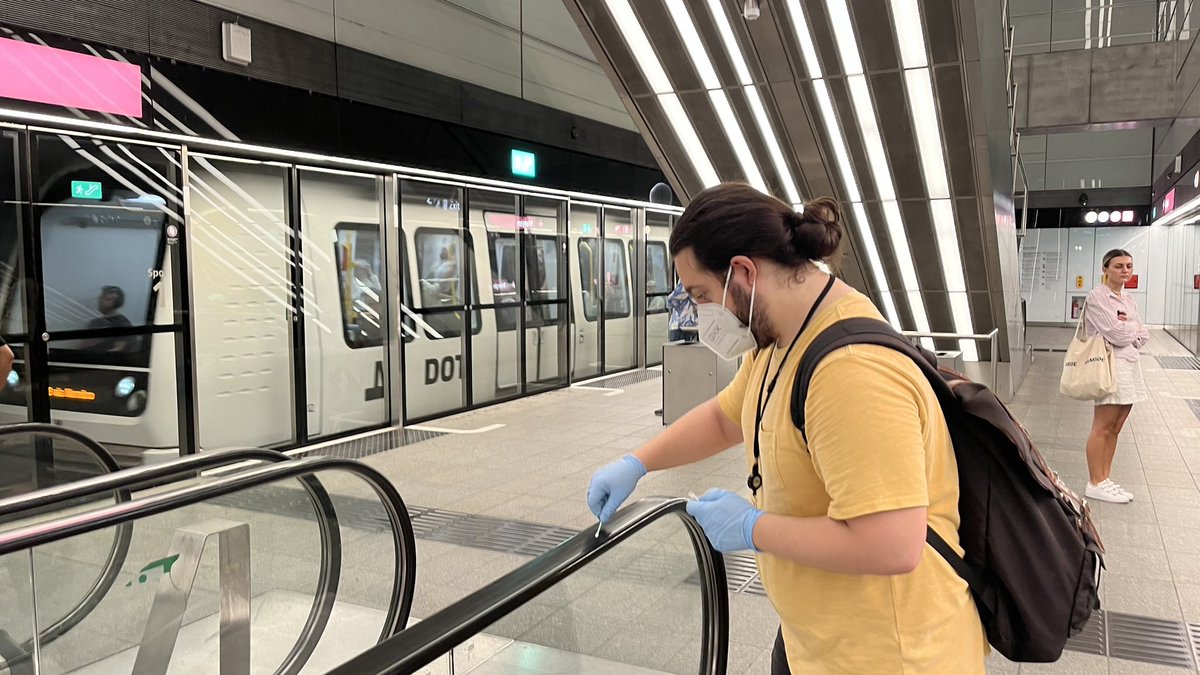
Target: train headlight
(125, 386)
(13, 378)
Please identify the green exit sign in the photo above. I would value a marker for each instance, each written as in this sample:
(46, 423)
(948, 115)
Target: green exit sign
(86, 189)
(524, 164)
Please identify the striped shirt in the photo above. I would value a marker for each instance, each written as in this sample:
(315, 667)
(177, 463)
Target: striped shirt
(1104, 307)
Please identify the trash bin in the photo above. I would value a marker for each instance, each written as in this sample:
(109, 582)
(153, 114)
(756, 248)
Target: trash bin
(692, 374)
(951, 360)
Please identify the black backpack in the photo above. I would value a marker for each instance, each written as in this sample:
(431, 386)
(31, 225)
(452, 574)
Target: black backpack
(1032, 555)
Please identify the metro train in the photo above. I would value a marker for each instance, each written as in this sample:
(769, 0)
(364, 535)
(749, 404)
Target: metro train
(539, 252)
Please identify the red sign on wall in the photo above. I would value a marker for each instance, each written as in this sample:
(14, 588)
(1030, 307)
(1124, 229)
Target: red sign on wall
(1133, 282)
(1196, 282)
(1168, 203)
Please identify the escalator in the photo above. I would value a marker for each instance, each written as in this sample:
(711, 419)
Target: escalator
(271, 566)
(647, 596)
(277, 565)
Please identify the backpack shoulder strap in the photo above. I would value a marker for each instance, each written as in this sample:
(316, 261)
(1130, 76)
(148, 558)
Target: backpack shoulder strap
(874, 332)
(849, 332)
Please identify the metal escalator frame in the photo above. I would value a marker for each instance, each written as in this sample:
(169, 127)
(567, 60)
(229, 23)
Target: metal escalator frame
(303, 469)
(122, 482)
(125, 481)
(438, 634)
(116, 554)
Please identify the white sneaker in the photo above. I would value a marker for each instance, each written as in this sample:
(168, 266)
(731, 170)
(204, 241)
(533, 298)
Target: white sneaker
(1105, 493)
(1112, 485)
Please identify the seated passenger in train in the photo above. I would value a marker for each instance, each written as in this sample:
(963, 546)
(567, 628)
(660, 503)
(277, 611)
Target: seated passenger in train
(109, 304)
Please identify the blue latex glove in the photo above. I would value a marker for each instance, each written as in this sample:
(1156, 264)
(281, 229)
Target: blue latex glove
(728, 520)
(612, 485)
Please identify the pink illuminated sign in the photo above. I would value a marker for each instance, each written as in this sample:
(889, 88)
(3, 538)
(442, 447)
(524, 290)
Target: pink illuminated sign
(59, 77)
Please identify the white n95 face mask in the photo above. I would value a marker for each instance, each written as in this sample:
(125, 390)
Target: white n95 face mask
(721, 330)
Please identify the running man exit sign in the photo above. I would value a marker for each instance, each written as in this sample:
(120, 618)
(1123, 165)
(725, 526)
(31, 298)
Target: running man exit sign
(524, 164)
(86, 189)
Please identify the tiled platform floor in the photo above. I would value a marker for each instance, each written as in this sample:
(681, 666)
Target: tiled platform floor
(537, 468)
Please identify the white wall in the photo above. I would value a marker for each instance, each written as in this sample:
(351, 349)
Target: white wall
(526, 48)
(1060, 266)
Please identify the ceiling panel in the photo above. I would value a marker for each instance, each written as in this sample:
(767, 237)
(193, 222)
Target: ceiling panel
(798, 119)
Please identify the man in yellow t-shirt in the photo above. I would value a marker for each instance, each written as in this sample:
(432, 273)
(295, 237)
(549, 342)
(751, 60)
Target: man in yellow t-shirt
(838, 524)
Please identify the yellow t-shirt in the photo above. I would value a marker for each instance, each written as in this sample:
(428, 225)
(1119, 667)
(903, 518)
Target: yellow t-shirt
(879, 443)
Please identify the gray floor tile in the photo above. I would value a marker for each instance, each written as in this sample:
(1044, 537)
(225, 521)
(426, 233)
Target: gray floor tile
(1135, 595)
(1071, 663)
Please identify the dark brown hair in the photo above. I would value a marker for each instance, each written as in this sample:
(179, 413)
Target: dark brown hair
(1115, 253)
(734, 219)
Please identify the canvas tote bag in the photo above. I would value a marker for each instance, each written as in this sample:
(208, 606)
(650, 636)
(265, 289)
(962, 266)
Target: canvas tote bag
(1089, 371)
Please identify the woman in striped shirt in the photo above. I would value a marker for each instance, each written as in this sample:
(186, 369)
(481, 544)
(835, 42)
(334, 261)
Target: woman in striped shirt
(1113, 314)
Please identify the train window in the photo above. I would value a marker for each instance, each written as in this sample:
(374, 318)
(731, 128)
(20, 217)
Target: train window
(440, 280)
(91, 297)
(541, 268)
(589, 264)
(658, 278)
(359, 258)
(616, 280)
(503, 255)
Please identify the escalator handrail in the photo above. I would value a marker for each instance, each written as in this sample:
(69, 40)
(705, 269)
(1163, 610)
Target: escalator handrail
(116, 554)
(102, 455)
(114, 515)
(438, 634)
(126, 479)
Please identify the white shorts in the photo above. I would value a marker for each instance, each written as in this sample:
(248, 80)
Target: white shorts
(1131, 386)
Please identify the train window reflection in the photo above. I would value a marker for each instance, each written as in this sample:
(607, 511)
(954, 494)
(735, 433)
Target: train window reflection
(503, 258)
(359, 259)
(541, 265)
(92, 297)
(589, 264)
(616, 298)
(439, 276)
(658, 280)
(616, 281)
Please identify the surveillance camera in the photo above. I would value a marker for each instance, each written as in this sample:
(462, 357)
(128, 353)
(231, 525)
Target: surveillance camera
(1083, 199)
(750, 10)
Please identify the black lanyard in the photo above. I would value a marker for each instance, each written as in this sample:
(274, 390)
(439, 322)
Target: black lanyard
(754, 482)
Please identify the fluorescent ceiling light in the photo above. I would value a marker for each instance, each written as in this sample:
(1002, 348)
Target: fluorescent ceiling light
(734, 52)
(834, 131)
(904, 260)
(768, 133)
(910, 34)
(731, 45)
(960, 309)
(864, 111)
(844, 36)
(807, 47)
(686, 134)
(643, 53)
(647, 60)
(952, 271)
(873, 263)
(738, 140)
(720, 100)
(693, 44)
(929, 135)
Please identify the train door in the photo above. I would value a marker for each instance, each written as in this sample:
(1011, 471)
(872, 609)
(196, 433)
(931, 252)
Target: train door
(441, 268)
(245, 317)
(346, 329)
(660, 281)
(496, 353)
(543, 235)
(90, 276)
(583, 244)
(620, 339)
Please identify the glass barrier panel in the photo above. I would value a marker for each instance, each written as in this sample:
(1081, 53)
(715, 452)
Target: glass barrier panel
(636, 610)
